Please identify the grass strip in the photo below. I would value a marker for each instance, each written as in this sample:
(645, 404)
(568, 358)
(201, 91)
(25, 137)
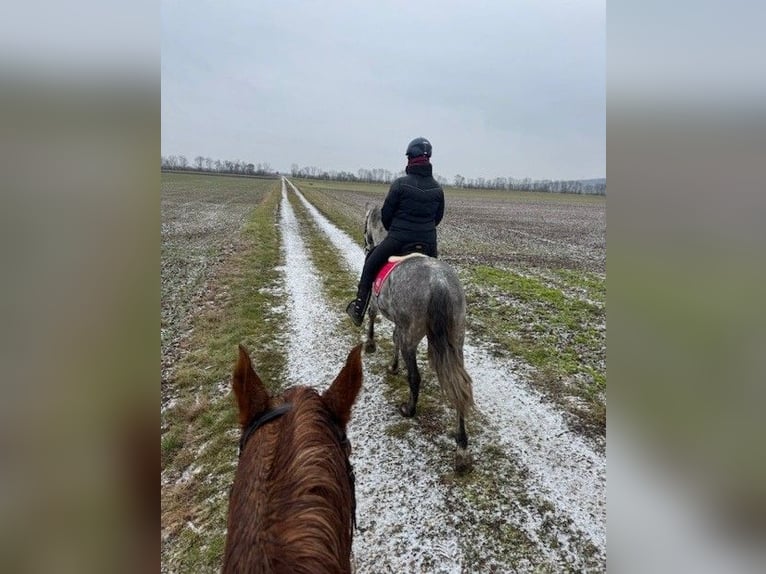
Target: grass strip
(562, 337)
(199, 445)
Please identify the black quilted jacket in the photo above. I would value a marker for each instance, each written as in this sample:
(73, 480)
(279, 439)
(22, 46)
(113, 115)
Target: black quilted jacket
(414, 206)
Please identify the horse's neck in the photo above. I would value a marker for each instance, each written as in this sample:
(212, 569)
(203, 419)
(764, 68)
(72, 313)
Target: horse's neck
(379, 235)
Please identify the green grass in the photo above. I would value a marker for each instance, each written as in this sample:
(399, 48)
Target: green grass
(337, 284)
(561, 336)
(202, 424)
(249, 315)
(400, 429)
(592, 285)
(170, 445)
(350, 186)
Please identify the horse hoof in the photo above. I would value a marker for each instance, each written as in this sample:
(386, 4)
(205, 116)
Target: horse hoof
(369, 347)
(463, 461)
(404, 410)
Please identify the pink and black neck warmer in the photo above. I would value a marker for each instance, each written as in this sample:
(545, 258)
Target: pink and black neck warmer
(420, 165)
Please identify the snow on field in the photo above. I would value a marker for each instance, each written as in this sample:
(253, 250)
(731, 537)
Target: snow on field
(404, 525)
(399, 499)
(563, 468)
(309, 318)
(352, 254)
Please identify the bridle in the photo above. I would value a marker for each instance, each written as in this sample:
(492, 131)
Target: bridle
(277, 412)
(346, 445)
(266, 417)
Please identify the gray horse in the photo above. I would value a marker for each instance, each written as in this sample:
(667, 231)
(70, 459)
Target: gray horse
(423, 297)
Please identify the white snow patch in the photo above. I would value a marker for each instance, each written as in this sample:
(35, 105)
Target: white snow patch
(563, 468)
(351, 252)
(400, 503)
(191, 470)
(169, 405)
(310, 320)
(399, 499)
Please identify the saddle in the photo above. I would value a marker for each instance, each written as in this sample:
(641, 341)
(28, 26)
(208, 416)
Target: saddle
(392, 262)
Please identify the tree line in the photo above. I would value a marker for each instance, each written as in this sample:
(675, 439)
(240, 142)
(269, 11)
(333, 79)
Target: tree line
(378, 175)
(586, 186)
(207, 164)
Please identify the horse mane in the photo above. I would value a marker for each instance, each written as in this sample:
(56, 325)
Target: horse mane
(292, 503)
(374, 232)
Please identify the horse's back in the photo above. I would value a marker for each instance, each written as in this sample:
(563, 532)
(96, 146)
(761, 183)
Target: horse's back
(413, 283)
(429, 274)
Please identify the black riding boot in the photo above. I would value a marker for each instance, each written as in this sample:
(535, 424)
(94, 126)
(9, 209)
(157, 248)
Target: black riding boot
(358, 306)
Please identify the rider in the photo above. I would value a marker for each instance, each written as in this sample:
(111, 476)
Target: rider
(411, 211)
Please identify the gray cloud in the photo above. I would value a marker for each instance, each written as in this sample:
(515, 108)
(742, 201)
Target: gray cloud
(501, 89)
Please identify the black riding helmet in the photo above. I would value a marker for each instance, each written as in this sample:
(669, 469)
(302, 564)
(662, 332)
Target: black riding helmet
(418, 147)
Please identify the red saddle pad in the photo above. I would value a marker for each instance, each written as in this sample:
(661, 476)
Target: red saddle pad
(381, 276)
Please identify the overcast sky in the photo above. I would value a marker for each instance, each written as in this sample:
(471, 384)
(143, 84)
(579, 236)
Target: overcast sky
(501, 88)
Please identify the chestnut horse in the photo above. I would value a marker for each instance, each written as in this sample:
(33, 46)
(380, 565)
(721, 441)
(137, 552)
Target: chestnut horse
(292, 505)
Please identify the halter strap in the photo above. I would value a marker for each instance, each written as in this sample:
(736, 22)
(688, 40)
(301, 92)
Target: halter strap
(344, 442)
(266, 417)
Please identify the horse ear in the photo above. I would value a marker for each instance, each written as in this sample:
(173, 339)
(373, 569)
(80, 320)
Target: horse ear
(341, 395)
(252, 398)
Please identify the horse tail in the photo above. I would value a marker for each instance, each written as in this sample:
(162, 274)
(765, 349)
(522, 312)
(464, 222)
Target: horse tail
(445, 350)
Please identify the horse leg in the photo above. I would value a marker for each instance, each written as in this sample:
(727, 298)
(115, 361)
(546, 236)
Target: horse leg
(463, 457)
(370, 344)
(394, 366)
(413, 378)
(461, 437)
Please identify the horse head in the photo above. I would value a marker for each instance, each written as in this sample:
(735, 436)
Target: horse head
(292, 502)
(374, 232)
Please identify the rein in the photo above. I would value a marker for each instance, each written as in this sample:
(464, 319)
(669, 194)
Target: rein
(344, 442)
(267, 417)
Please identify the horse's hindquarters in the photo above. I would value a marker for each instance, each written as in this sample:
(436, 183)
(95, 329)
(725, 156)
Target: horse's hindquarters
(423, 297)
